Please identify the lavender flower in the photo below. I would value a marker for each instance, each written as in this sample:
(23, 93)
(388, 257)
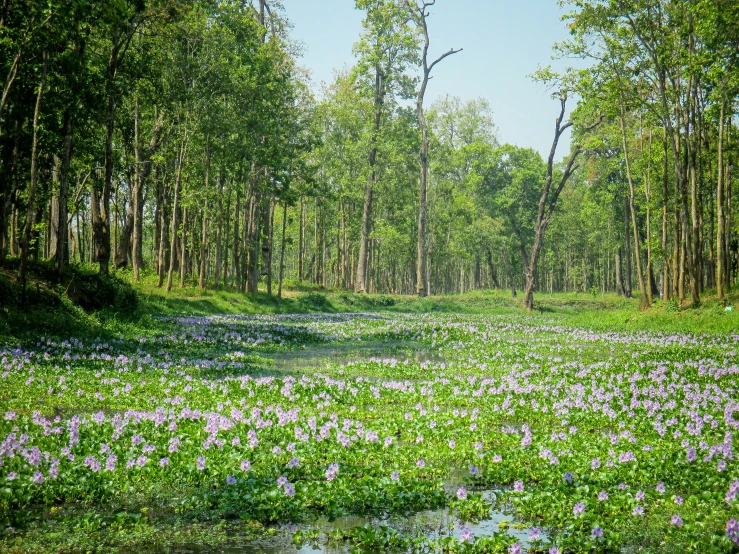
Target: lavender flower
(578, 509)
(676, 520)
(462, 493)
(732, 530)
(332, 471)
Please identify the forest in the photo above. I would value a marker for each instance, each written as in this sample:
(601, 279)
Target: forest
(182, 140)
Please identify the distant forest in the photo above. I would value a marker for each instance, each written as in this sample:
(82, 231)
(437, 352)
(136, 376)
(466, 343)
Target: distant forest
(182, 141)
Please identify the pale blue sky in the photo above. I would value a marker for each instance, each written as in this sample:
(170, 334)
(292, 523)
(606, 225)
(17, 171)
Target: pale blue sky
(503, 41)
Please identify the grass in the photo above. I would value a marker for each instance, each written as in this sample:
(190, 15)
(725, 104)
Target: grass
(83, 304)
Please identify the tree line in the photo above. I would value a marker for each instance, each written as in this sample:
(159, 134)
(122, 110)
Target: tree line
(182, 141)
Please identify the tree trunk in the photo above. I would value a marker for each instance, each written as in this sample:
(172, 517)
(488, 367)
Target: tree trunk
(204, 230)
(301, 240)
(360, 283)
(175, 208)
(183, 248)
(31, 201)
(219, 228)
(620, 289)
(282, 250)
(360, 286)
(720, 230)
(665, 257)
(62, 249)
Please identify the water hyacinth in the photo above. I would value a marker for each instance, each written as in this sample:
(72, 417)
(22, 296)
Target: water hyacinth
(633, 412)
(732, 530)
(578, 509)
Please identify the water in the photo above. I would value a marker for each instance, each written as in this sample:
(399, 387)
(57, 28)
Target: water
(433, 524)
(343, 354)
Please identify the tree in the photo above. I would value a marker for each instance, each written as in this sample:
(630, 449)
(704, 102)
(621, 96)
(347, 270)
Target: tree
(420, 14)
(386, 48)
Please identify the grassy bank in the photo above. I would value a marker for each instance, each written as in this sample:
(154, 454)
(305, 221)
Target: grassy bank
(83, 303)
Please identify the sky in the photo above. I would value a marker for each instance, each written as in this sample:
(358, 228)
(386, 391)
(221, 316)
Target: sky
(503, 40)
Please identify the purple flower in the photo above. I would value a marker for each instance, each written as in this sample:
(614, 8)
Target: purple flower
(452, 443)
(595, 464)
(293, 463)
(38, 478)
(534, 534)
(289, 490)
(578, 509)
(332, 471)
(732, 530)
(245, 465)
(732, 492)
(164, 462)
(466, 535)
(12, 476)
(691, 454)
(660, 488)
(679, 500)
(568, 477)
(462, 493)
(555, 550)
(281, 481)
(602, 496)
(640, 496)
(230, 480)
(474, 471)
(394, 476)
(497, 458)
(676, 520)
(421, 463)
(518, 486)
(597, 532)
(515, 548)
(638, 510)
(200, 463)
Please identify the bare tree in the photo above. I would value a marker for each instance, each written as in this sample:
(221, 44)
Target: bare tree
(548, 200)
(419, 14)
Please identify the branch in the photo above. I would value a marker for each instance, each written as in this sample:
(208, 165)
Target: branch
(594, 125)
(446, 54)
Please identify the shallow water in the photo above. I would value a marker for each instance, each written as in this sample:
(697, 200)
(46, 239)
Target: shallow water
(432, 524)
(342, 354)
